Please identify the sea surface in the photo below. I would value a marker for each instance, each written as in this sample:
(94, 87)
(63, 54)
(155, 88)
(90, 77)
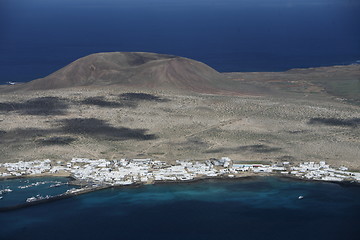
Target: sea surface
(38, 37)
(253, 208)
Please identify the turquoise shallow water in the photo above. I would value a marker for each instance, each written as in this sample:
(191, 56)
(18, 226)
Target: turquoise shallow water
(256, 208)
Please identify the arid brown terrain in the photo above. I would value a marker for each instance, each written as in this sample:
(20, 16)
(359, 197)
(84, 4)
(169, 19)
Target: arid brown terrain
(116, 105)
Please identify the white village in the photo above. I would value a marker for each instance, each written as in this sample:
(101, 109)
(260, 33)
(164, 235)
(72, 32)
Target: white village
(90, 175)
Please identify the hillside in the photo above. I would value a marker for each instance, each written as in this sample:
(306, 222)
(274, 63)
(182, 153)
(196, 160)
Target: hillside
(147, 70)
(140, 105)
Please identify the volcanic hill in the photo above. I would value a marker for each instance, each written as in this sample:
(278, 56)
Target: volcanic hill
(133, 69)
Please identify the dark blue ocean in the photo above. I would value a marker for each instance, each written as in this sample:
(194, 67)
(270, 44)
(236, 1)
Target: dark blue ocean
(38, 37)
(249, 209)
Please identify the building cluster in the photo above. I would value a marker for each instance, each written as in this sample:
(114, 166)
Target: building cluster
(322, 171)
(21, 168)
(104, 172)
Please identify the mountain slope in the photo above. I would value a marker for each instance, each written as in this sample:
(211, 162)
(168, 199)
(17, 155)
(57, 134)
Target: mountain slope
(131, 69)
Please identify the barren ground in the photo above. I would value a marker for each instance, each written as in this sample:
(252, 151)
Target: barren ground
(269, 124)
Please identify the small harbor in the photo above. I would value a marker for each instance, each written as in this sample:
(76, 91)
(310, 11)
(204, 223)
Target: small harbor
(19, 192)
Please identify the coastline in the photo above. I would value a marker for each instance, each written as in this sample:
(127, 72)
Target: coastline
(99, 188)
(81, 191)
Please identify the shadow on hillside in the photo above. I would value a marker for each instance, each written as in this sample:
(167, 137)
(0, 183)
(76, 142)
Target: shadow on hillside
(92, 127)
(100, 101)
(59, 140)
(130, 100)
(261, 148)
(45, 106)
(23, 134)
(142, 97)
(192, 143)
(39, 136)
(101, 129)
(352, 122)
(42, 106)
